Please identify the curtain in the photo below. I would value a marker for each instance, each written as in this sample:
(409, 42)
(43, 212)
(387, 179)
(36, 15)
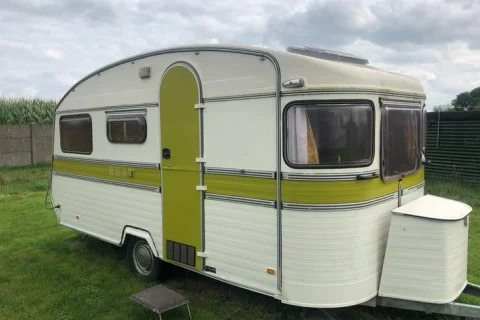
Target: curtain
(301, 146)
(311, 145)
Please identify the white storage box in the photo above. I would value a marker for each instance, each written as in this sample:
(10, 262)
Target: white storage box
(426, 254)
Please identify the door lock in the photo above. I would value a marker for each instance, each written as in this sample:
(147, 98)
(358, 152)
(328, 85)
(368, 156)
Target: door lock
(166, 153)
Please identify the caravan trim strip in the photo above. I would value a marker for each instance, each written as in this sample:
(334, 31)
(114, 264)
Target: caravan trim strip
(111, 162)
(241, 172)
(123, 107)
(257, 202)
(340, 206)
(325, 176)
(240, 97)
(413, 188)
(112, 182)
(352, 90)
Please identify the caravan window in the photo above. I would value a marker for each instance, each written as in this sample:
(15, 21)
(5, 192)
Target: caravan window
(76, 134)
(329, 134)
(401, 141)
(127, 128)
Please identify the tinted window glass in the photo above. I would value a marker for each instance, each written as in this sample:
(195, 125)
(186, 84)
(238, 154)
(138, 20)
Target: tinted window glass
(127, 129)
(76, 134)
(402, 136)
(329, 135)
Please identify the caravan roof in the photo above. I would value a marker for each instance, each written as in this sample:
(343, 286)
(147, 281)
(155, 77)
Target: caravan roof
(321, 70)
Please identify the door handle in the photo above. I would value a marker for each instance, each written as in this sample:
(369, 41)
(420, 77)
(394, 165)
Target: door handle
(166, 153)
(367, 176)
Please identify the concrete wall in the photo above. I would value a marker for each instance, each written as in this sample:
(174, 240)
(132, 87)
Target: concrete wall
(22, 145)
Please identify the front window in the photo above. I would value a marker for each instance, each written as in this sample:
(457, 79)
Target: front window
(329, 134)
(76, 134)
(401, 141)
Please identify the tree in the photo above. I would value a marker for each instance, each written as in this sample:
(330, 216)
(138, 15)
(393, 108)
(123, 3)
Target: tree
(475, 95)
(443, 108)
(463, 101)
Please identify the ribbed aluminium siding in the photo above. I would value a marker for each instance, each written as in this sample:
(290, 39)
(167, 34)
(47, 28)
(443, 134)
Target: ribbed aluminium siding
(453, 145)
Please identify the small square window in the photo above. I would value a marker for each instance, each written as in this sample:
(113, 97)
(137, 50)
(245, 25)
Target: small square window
(127, 129)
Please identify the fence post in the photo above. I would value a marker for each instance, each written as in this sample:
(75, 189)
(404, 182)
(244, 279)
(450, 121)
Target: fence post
(31, 144)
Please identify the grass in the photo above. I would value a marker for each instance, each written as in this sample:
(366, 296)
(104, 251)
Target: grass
(50, 272)
(21, 180)
(26, 111)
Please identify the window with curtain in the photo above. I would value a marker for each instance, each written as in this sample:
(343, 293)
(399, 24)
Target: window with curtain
(329, 135)
(76, 134)
(127, 129)
(401, 141)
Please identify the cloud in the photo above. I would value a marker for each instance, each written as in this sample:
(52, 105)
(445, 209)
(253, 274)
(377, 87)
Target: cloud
(66, 78)
(435, 41)
(92, 10)
(15, 44)
(53, 54)
(391, 23)
(29, 92)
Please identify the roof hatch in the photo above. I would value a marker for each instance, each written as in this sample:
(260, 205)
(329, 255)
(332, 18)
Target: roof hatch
(327, 54)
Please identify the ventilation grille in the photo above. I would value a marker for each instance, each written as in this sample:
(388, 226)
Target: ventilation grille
(327, 54)
(180, 252)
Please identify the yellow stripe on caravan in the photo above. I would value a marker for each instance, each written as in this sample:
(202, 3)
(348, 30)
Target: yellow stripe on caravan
(337, 192)
(241, 186)
(130, 174)
(307, 192)
(414, 179)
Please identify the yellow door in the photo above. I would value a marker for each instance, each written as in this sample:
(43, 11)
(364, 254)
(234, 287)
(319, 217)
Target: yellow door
(180, 142)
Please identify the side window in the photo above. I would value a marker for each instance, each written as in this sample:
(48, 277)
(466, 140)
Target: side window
(401, 141)
(76, 134)
(329, 134)
(126, 128)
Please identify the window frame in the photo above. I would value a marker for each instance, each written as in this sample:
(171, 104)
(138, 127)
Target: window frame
(77, 115)
(332, 102)
(125, 117)
(424, 128)
(405, 105)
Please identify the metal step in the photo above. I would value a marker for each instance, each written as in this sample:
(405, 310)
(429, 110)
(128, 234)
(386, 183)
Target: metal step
(160, 299)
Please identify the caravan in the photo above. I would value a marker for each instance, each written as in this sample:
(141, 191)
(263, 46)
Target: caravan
(298, 174)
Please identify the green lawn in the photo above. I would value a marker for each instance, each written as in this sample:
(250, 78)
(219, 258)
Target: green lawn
(48, 272)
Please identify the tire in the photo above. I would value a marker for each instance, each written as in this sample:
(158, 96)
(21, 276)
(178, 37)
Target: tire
(142, 261)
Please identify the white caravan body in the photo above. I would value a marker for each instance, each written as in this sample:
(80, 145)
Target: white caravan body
(273, 171)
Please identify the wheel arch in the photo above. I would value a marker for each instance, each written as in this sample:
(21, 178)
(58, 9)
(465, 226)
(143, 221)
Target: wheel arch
(130, 232)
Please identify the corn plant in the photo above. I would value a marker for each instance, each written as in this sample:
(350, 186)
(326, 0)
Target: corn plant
(26, 111)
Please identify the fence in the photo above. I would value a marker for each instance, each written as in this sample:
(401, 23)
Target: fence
(22, 145)
(453, 145)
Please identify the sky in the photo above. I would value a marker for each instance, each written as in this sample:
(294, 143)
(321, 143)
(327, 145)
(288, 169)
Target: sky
(47, 45)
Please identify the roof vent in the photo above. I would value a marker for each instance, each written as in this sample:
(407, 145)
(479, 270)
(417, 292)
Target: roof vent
(327, 54)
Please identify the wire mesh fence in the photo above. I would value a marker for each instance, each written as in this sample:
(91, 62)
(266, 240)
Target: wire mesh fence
(15, 180)
(453, 145)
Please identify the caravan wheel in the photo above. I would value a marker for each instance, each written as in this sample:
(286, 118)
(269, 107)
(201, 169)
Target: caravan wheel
(142, 260)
